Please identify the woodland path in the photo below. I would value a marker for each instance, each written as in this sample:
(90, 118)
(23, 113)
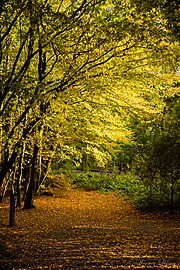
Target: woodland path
(88, 230)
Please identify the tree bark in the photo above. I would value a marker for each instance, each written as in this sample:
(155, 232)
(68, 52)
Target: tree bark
(28, 203)
(12, 207)
(84, 163)
(172, 196)
(19, 178)
(44, 175)
(4, 188)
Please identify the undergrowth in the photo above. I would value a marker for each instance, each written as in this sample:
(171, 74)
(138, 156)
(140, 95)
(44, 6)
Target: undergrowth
(130, 186)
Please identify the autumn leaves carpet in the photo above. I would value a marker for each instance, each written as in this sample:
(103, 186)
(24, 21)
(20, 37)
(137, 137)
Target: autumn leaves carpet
(88, 230)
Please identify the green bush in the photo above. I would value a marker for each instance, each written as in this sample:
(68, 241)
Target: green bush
(60, 180)
(143, 193)
(155, 195)
(90, 181)
(104, 182)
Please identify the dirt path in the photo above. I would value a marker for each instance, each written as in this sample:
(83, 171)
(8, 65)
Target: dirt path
(87, 230)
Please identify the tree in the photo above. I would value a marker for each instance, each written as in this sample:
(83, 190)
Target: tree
(49, 50)
(160, 170)
(170, 9)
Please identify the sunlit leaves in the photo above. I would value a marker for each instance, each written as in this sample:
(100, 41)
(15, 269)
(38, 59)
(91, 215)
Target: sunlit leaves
(80, 70)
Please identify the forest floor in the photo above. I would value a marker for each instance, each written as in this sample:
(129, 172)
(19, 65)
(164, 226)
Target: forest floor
(88, 230)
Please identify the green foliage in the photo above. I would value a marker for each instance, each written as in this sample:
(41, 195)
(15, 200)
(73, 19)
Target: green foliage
(160, 168)
(72, 77)
(123, 184)
(161, 173)
(90, 181)
(150, 195)
(61, 181)
(169, 10)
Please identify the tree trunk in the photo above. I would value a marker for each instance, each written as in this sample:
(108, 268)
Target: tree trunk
(47, 166)
(44, 175)
(28, 203)
(12, 207)
(84, 163)
(39, 160)
(19, 178)
(4, 188)
(7, 164)
(27, 175)
(9, 160)
(172, 196)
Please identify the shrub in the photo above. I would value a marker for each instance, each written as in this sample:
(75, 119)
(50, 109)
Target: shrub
(155, 194)
(105, 182)
(61, 180)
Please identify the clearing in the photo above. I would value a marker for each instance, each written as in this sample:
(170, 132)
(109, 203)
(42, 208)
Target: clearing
(88, 230)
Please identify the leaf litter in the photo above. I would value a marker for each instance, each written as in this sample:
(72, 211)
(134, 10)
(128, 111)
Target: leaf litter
(88, 230)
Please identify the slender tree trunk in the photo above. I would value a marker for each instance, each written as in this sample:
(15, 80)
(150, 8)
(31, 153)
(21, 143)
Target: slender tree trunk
(12, 197)
(27, 171)
(7, 164)
(4, 188)
(12, 207)
(47, 166)
(44, 175)
(9, 161)
(28, 203)
(19, 178)
(84, 163)
(172, 196)
(39, 160)
(39, 172)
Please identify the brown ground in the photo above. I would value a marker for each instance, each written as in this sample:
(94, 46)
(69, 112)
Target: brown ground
(87, 230)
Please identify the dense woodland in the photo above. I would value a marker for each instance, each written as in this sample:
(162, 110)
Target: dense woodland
(90, 91)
